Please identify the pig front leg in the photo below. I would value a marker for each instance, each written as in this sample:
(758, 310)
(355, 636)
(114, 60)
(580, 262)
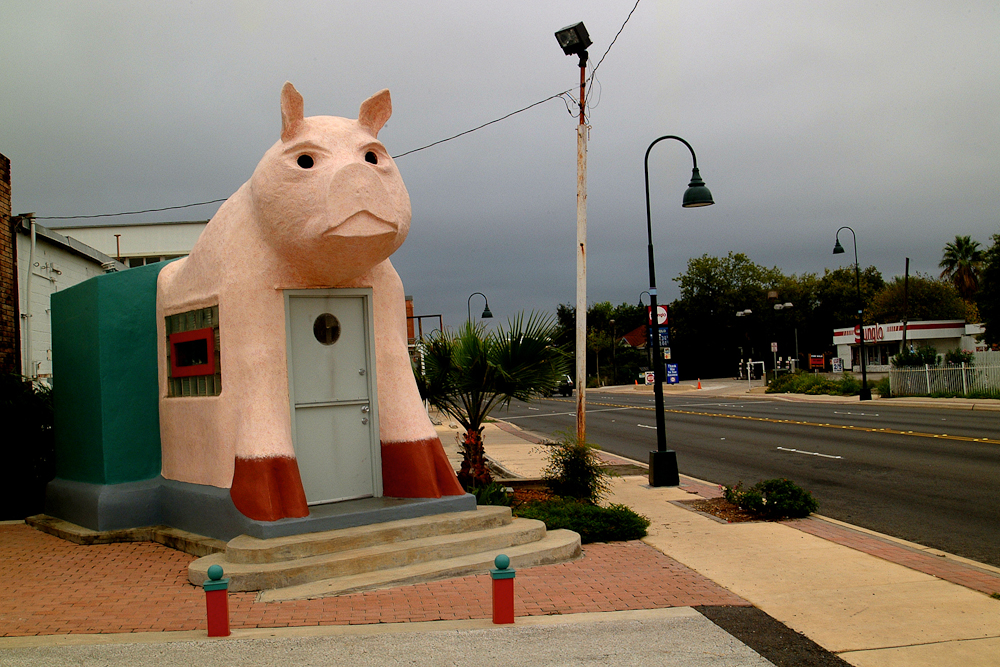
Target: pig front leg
(414, 464)
(266, 482)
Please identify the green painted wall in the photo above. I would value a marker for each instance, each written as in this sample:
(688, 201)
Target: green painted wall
(105, 389)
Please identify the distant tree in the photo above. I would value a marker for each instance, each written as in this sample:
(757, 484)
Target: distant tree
(988, 298)
(927, 299)
(838, 294)
(705, 332)
(962, 264)
(601, 347)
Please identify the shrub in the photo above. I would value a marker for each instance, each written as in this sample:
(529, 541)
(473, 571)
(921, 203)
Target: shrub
(772, 499)
(575, 471)
(848, 385)
(882, 388)
(958, 357)
(593, 522)
(493, 493)
(814, 384)
(925, 355)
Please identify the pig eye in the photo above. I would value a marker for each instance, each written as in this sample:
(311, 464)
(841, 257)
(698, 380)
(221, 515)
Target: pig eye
(371, 157)
(305, 161)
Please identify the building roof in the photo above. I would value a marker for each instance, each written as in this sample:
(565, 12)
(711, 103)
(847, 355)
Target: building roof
(635, 338)
(72, 245)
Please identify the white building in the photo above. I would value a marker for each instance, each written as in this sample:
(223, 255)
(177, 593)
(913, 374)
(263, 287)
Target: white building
(65, 256)
(138, 244)
(883, 341)
(48, 262)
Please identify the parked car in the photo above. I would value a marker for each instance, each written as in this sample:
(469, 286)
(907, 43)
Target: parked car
(566, 386)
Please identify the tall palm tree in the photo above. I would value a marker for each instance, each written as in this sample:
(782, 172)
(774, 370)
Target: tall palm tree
(470, 373)
(962, 262)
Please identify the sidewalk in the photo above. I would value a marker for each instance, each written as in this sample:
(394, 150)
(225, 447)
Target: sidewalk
(870, 599)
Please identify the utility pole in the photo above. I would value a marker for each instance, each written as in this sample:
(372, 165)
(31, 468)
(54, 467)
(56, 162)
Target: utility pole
(574, 40)
(581, 261)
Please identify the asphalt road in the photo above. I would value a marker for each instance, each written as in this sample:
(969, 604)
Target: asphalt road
(923, 475)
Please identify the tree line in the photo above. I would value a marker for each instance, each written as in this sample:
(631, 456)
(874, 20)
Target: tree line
(731, 309)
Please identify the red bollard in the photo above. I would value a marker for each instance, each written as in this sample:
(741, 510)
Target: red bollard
(217, 602)
(503, 590)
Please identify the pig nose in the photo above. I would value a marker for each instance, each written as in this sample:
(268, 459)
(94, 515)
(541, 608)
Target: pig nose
(357, 181)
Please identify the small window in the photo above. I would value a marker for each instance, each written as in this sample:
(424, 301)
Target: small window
(192, 353)
(193, 360)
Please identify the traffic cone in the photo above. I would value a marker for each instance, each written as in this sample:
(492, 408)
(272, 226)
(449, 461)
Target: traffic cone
(699, 383)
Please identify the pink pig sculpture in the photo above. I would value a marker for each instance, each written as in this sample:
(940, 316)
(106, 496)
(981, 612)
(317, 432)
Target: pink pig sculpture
(325, 208)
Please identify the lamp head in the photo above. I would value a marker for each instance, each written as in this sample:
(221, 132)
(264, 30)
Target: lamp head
(837, 248)
(486, 312)
(697, 194)
(573, 39)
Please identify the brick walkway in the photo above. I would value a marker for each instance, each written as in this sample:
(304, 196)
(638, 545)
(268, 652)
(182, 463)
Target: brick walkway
(956, 572)
(55, 587)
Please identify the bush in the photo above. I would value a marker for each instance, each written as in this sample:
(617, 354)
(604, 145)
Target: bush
(575, 471)
(493, 493)
(772, 499)
(958, 357)
(848, 385)
(925, 355)
(29, 448)
(593, 522)
(814, 384)
(882, 388)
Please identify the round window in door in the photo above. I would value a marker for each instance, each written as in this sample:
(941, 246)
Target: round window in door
(326, 329)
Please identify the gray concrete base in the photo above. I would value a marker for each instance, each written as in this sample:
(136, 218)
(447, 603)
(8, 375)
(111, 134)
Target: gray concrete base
(209, 510)
(105, 507)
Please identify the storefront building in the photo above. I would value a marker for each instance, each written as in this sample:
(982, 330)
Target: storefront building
(883, 341)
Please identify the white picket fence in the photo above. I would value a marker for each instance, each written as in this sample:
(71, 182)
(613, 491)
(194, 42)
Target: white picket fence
(959, 379)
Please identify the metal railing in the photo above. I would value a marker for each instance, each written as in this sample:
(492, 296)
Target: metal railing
(958, 380)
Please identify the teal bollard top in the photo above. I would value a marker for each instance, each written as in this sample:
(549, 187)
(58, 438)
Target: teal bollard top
(215, 582)
(503, 571)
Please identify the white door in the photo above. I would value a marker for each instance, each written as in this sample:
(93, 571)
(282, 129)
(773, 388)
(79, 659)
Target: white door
(332, 391)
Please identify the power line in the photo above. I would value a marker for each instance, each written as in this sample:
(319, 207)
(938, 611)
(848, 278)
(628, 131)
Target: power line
(594, 73)
(512, 113)
(112, 215)
(561, 95)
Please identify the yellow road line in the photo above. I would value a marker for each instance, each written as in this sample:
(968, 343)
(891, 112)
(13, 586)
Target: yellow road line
(941, 436)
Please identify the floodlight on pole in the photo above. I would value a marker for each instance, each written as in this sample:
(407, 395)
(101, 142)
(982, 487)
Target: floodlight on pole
(574, 40)
(663, 462)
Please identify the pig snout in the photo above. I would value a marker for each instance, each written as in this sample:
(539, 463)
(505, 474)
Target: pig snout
(356, 189)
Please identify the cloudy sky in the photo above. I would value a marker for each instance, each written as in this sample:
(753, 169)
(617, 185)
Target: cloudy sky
(805, 116)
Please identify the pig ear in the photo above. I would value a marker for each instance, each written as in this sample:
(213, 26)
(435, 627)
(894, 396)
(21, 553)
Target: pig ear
(375, 111)
(291, 111)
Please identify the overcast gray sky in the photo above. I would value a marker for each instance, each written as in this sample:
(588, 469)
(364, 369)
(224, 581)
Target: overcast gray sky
(805, 116)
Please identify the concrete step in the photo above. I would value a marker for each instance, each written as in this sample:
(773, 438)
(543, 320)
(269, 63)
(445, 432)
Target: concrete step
(556, 547)
(246, 549)
(374, 557)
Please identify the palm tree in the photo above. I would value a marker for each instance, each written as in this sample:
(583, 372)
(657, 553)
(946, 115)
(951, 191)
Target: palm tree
(470, 373)
(962, 262)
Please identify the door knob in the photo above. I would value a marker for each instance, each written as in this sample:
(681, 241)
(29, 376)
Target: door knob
(364, 420)
(361, 371)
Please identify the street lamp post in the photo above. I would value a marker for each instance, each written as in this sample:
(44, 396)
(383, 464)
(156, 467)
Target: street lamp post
(663, 462)
(486, 311)
(649, 332)
(866, 394)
